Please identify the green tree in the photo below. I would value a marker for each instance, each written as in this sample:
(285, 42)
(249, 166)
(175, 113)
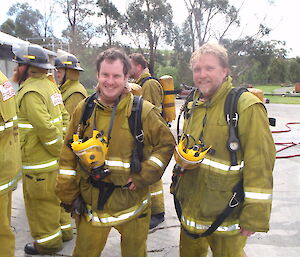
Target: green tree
(79, 31)
(294, 70)
(112, 20)
(149, 22)
(27, 22)
(208, 18)
(277, 70)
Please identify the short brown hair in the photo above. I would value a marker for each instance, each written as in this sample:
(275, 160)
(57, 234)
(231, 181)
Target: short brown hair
(139, 59)
(211, 48)
(113, 54)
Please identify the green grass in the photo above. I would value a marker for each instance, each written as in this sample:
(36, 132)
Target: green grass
(268, 88)
(283, 100)
(277, 99)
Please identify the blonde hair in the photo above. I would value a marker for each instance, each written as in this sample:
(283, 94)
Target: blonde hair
(211, 48)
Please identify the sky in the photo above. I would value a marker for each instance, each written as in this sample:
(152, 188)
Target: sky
(282, 16)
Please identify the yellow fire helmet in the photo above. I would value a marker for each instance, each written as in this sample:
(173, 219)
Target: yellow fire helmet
(189, 158)
(92, 152)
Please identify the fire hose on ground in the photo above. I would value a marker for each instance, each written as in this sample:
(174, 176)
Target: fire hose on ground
(286, 145)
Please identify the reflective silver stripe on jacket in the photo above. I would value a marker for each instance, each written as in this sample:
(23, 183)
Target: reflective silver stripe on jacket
(197, 226)
(62, 227)
(68, 172)
(25, 125)
(48, 238)
(40, 166)
(222, 166)
(156, 193)
(10, 183)
(121, 217)
(53, 141)
(258, 196)
(56, 120)
(156, 161)
(8, 124)
(120, 164)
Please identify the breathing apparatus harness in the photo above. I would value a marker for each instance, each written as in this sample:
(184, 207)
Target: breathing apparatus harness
(189, 157)
(233, 145)
(94, 150)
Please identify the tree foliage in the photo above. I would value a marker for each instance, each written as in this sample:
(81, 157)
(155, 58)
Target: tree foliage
(112, 20)
(208, 19)
(147, 23)
(80, 30)
(27, 23)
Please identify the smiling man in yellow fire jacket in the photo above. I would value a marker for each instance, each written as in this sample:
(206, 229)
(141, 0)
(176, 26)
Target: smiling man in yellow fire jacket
(206, 189)
(114, 195)
(42, 117)
(10, 163)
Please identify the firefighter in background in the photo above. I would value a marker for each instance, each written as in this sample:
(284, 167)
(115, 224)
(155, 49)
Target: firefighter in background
(124, 199)
(42, 117)
(203, 191)
(67, 75)
(151, 91)
(10, 163)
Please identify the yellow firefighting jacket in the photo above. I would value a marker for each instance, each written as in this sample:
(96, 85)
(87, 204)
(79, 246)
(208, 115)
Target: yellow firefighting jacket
(205, 191)
(10, 154)
(123, 204)
(72, 92)
(151, 90)
(42, 118)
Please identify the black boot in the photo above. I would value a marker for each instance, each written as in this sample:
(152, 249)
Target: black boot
(31, 249)
(156, 219)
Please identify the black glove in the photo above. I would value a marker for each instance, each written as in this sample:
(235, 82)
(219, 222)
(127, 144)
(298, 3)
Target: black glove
(78, 206)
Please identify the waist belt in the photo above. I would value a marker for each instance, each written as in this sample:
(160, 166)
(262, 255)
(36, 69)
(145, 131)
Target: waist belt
(105, 191)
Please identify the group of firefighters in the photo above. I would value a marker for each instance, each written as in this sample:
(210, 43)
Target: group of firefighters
(79, 157)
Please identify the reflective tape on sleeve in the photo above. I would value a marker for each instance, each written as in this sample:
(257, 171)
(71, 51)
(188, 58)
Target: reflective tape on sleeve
(67, 172)
(156, 161)
(53, 141)
(156, 193)
(258, 196)
(63, 227)
(25, 125)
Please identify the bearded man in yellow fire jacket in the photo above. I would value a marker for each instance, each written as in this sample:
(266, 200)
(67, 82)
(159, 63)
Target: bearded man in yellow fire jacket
(42, 119)
(204, 191)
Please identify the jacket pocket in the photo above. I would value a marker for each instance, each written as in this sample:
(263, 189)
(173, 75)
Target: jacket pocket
(39, 186)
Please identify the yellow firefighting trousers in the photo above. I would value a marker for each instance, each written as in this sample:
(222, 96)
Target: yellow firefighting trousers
(157, 198)
(7, 237)
(90, 240)
(221, 246)
(49, 224)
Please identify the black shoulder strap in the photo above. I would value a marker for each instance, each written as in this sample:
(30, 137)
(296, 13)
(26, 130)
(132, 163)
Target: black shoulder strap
(147, 78)
(135, 125)
(88, 108)
(232, 117)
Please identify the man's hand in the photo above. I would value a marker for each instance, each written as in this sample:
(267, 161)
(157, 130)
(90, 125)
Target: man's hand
(245, 232)
(131, 186)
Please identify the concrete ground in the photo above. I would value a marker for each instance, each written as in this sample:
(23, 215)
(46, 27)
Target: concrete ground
(282, 240)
